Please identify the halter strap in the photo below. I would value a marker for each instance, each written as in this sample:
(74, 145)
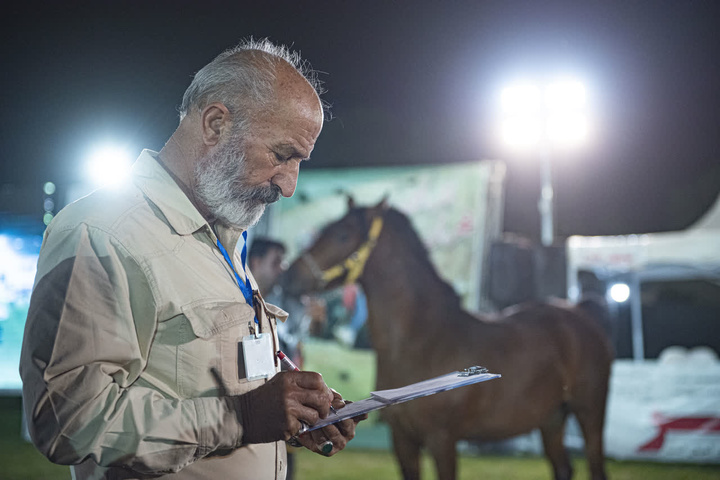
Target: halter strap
(353, 265)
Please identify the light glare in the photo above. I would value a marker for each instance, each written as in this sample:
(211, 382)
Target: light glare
(552, 113)
(522, 132)
(620, 292)
(521, 97)
(109, 166)
(565, 95)
(568, 129)
(49, 188)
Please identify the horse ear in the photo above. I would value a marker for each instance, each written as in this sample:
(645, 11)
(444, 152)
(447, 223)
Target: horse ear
(350, 202)
(384, 203)
(380, 208)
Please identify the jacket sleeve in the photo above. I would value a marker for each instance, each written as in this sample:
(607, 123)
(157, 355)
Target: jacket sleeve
(87, 338)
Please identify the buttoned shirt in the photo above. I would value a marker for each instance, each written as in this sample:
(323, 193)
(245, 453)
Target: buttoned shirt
(131, 360)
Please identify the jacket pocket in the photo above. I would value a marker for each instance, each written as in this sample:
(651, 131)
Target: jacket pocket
(209, 319)
(216, 328)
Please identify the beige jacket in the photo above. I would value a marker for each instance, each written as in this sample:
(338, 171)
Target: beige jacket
(133, 305)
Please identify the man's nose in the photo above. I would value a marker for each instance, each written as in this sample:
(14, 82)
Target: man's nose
(286, 179)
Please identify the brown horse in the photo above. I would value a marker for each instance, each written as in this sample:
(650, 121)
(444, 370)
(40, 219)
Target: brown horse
(554, 359)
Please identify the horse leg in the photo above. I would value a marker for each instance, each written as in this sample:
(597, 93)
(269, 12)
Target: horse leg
(553, 431)
(591, 422)
(407, 452)
(441, 446)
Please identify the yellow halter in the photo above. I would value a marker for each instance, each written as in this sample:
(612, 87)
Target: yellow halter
(354, 264)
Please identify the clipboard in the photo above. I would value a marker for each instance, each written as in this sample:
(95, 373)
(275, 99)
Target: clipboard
(385, 398)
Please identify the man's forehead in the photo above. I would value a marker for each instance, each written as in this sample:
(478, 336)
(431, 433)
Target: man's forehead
(292, 89)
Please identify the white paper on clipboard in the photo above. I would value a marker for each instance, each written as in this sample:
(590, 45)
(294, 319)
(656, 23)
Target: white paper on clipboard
(384, 398)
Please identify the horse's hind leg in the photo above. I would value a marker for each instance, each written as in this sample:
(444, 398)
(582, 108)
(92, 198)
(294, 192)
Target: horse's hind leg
(592, 420)
(552, 435)
(407, 452)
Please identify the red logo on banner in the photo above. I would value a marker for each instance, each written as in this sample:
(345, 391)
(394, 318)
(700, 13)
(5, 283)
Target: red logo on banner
(679, 424)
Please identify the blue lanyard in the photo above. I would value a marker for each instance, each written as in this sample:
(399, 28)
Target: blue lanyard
(245, 286)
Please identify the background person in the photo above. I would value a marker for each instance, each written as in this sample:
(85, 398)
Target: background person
(266, 259)
(146, 353)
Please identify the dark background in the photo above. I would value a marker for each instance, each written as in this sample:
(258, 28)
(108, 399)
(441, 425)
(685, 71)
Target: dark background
(412, 82)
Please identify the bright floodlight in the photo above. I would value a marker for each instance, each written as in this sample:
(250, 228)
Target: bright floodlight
(620, 292)
(109, 166)
(551, 114)
(565, 95)
(567, 129)
(566, 122)
(521, 98)
(522, 125)
(522, 132)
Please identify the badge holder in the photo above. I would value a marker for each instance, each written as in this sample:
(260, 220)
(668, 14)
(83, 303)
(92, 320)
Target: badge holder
(258, 349)
(258, 356)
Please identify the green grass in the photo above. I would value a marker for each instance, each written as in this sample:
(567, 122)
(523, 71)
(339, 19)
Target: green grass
(20, 461)
(361, 465)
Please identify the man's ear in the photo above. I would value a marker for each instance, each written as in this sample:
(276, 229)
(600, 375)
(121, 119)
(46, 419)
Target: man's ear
(215, 120)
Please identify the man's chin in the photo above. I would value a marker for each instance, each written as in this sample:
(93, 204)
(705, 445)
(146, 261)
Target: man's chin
(249, 220)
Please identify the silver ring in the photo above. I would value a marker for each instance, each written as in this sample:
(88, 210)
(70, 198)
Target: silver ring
(303, 428)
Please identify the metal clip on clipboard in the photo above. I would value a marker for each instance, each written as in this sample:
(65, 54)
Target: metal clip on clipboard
(476, 370)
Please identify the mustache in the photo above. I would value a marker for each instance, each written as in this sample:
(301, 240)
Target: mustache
(269, 194)
(262, 194)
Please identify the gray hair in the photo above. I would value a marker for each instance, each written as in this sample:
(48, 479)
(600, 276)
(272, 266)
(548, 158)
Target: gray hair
(243, 76)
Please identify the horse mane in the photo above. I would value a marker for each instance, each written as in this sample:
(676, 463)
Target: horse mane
(414, 246)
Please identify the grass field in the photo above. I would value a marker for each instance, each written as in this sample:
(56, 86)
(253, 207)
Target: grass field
(20, 461)
(357, 465)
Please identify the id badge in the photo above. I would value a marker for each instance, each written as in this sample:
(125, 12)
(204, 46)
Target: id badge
(258, 356)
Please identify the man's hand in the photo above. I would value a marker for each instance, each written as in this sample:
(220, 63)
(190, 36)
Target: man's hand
(331, 439)
(275, 410)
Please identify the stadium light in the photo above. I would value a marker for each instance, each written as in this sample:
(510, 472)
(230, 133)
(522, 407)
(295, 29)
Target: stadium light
(109, 166)
(544, 116)
(619, 292)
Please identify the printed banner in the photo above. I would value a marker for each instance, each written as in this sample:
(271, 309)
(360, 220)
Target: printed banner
(665, 412)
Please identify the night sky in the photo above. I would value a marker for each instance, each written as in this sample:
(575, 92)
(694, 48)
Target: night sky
(414, 82)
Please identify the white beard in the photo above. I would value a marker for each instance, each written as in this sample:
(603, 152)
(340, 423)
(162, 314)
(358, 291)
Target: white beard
(219, 186)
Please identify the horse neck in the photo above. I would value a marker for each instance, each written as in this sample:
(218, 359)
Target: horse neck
(407, 300)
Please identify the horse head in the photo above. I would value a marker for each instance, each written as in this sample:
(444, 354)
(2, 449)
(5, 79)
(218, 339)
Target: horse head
(339, 253)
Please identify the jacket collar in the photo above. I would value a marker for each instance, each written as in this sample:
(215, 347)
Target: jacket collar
(158, 186)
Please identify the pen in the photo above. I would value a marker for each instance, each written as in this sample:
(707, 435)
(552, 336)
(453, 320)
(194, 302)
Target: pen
(291, 366)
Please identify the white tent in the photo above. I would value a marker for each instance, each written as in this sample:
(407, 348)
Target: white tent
(696, 248)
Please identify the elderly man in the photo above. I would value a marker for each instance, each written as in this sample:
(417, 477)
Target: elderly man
(148, 351)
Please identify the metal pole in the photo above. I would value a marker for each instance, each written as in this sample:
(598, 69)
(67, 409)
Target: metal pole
(636, 321)
(545, 204)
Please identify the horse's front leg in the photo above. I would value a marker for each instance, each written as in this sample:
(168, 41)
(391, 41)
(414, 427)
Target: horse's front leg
(407, 452)
(441, 445)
